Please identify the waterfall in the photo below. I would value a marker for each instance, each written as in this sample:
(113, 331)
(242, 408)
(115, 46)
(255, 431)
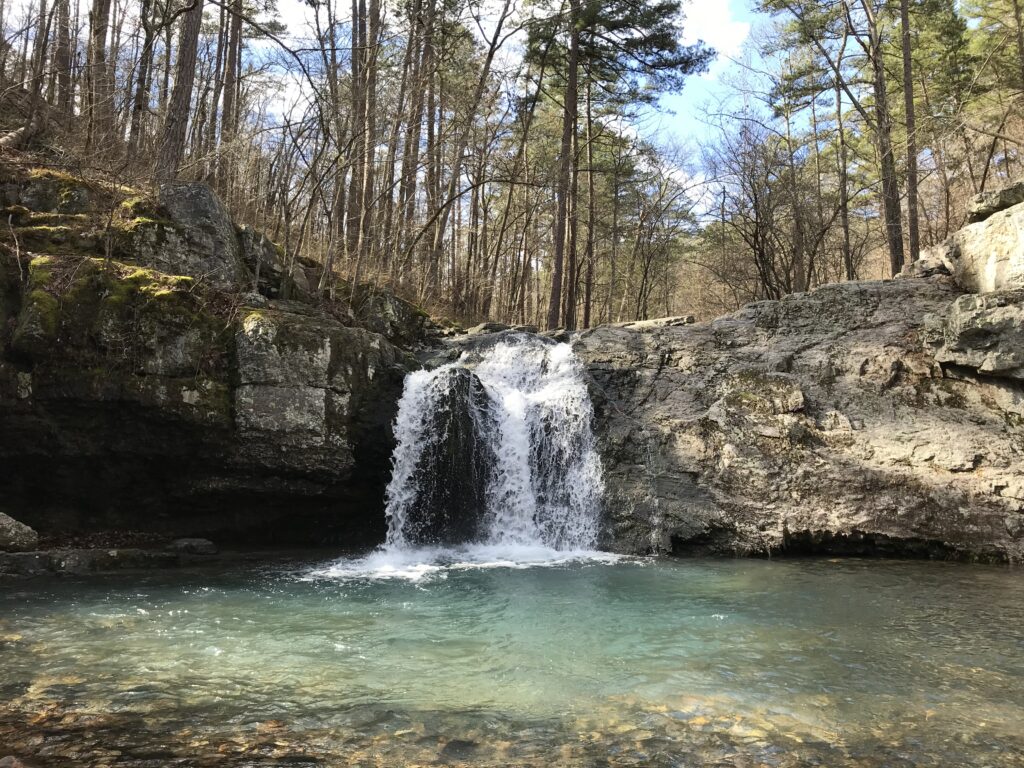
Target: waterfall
(496, 448)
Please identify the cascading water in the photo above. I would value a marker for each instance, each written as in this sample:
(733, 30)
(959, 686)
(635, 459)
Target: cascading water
(497, 449)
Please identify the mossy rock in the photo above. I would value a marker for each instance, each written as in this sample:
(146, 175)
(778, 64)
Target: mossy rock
(57, 238)
(140, 209)
(39, 319)
(118, 316)
(48, 190)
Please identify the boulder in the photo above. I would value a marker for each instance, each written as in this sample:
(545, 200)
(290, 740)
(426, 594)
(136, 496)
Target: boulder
(193, 235)
(15, 536)
(659, 322)
(50, 191)
(985, 256)
(276, 278)
(985, 204)
(930, 266)
(397, 320)
(823, 422)
(482, 328)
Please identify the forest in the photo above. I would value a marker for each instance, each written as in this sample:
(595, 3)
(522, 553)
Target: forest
(487, 160)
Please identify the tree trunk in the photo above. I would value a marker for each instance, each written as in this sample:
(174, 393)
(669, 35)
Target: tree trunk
(140, 103)
(62, 59)
(172, 147)
(358, 112)
(98, 103)
(913, 237)
(565, 166)
(844, 191)
(883, 136)
(229, 116)
(1018, 18)
(588, 289)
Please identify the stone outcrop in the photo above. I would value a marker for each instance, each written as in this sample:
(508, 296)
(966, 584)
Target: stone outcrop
(15, 536)
(866, 418)
(166, 372)
(142, 388)
(982, 332)
(987, 203)
(988, 254)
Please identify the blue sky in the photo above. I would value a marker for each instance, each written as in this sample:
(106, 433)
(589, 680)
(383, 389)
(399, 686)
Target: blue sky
(725, 25)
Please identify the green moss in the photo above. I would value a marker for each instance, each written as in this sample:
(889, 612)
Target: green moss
(40, 271)
(46, 311)
(37, 220)
(51, 174)
(141, 208)
(45, 230)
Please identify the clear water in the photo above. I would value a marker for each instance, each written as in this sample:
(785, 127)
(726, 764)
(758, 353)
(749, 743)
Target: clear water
(468, 660)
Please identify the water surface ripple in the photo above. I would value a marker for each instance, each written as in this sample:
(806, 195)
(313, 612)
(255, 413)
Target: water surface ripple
(468, 661)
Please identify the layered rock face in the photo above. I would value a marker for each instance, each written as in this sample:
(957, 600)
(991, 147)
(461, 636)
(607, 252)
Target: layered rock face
(144, 384)
(162, 370)
(861, 418)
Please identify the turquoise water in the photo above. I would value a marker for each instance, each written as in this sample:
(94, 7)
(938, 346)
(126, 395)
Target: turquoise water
(585, 662)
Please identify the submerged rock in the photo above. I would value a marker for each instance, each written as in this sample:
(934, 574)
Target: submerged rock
(84, 561)
(193, 547)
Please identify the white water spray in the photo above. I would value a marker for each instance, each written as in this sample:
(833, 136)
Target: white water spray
(531, 432)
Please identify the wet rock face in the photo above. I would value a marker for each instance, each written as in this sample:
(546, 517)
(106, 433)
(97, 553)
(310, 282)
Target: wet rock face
(452, 473)
(864, 417)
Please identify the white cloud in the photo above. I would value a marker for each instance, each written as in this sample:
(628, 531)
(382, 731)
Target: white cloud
(715, 22)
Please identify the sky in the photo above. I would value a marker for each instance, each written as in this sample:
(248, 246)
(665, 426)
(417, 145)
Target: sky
(725, 25)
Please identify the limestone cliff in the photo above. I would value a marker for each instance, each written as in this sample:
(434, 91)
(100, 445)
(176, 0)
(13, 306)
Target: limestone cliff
(873, 417)
(163, 370)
